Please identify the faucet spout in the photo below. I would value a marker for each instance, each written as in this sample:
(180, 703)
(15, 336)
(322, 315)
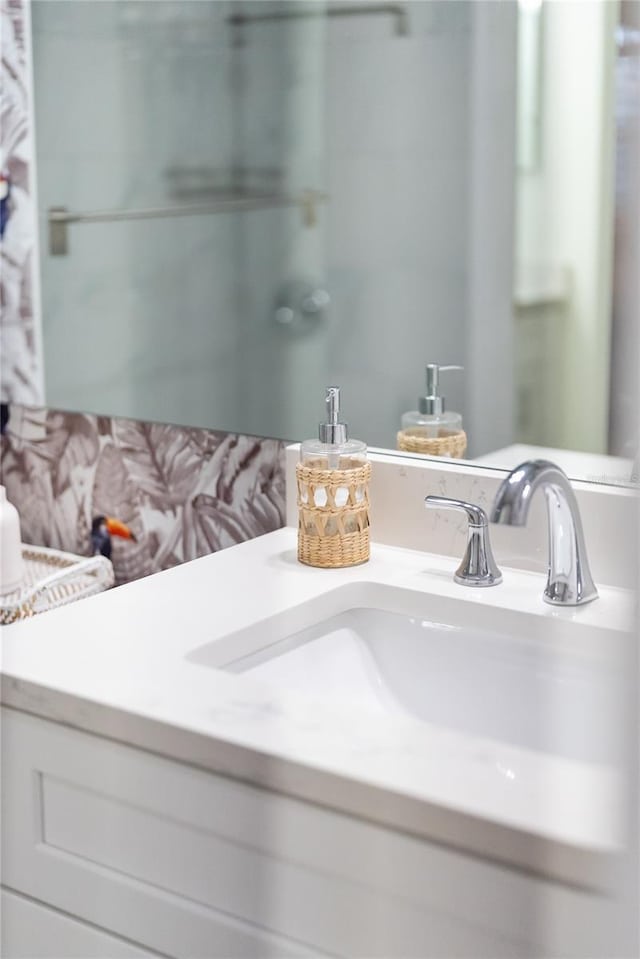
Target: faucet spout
(569, 582)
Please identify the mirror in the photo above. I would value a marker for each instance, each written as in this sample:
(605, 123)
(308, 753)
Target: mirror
(243, 202)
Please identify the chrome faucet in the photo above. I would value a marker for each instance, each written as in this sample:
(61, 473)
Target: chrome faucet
(569, 582)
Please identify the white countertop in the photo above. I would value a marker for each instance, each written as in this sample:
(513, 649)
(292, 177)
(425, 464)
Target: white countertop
(117, 665)
(589, 467)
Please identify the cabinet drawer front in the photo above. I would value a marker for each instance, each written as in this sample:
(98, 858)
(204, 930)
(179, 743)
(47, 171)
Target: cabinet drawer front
(72, 838)
(33, 931)
(187, 862)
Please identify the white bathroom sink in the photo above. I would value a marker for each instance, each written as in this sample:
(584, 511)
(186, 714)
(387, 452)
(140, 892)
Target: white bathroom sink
(534, 681)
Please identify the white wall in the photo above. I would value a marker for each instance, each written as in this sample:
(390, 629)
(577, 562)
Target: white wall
(398, 122)
(279, 113)
(625, 340)
(415, 242)
(381, 123)
(491, 171)
(565, 210)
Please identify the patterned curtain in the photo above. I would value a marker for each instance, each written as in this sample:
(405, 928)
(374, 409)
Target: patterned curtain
(21, 373)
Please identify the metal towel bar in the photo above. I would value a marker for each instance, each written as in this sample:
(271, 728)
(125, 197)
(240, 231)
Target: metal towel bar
(396, 10)
(59, 218)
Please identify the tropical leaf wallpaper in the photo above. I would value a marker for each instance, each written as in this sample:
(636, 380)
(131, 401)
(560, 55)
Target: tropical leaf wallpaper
(183, 492)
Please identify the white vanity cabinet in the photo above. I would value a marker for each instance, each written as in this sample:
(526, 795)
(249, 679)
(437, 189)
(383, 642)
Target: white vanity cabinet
(121, 852)
(31, 930)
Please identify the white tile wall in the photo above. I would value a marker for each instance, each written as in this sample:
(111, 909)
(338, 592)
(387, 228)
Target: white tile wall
(140, 318)
(184, 309)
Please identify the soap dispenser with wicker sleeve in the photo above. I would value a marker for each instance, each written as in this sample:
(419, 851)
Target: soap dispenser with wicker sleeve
(333, 494)
(432, 429)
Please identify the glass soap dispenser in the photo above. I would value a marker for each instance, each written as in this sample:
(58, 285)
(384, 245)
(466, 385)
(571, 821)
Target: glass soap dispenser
(333, 494)
(433, 429)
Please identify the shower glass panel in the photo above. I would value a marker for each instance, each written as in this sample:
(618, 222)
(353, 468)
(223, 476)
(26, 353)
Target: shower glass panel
(343, 140)
(181, 150)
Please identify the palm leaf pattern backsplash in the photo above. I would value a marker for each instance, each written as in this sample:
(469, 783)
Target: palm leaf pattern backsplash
(184, 492)
(160, 460)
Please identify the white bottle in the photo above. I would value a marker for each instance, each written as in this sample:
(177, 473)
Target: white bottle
(431, 419)
(11, 562)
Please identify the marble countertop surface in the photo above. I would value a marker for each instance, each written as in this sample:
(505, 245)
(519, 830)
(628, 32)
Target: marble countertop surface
(119, 665)
(590, 467)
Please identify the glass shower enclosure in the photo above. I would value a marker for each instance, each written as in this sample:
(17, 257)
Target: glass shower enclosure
(244, 201)
(180, 172)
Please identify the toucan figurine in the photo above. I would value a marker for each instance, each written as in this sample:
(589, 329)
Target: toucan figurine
(102, 529)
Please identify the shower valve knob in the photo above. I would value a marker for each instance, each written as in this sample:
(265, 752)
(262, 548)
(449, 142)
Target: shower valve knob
(300, 306)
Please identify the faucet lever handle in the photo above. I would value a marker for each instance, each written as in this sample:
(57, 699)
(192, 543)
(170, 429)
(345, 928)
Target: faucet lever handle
(478, 567)
(475, 514)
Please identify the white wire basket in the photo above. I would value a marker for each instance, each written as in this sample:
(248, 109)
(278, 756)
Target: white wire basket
(54, 578)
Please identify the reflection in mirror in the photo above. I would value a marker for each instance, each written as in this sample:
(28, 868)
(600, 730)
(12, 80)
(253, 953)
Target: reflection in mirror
(242, 202)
